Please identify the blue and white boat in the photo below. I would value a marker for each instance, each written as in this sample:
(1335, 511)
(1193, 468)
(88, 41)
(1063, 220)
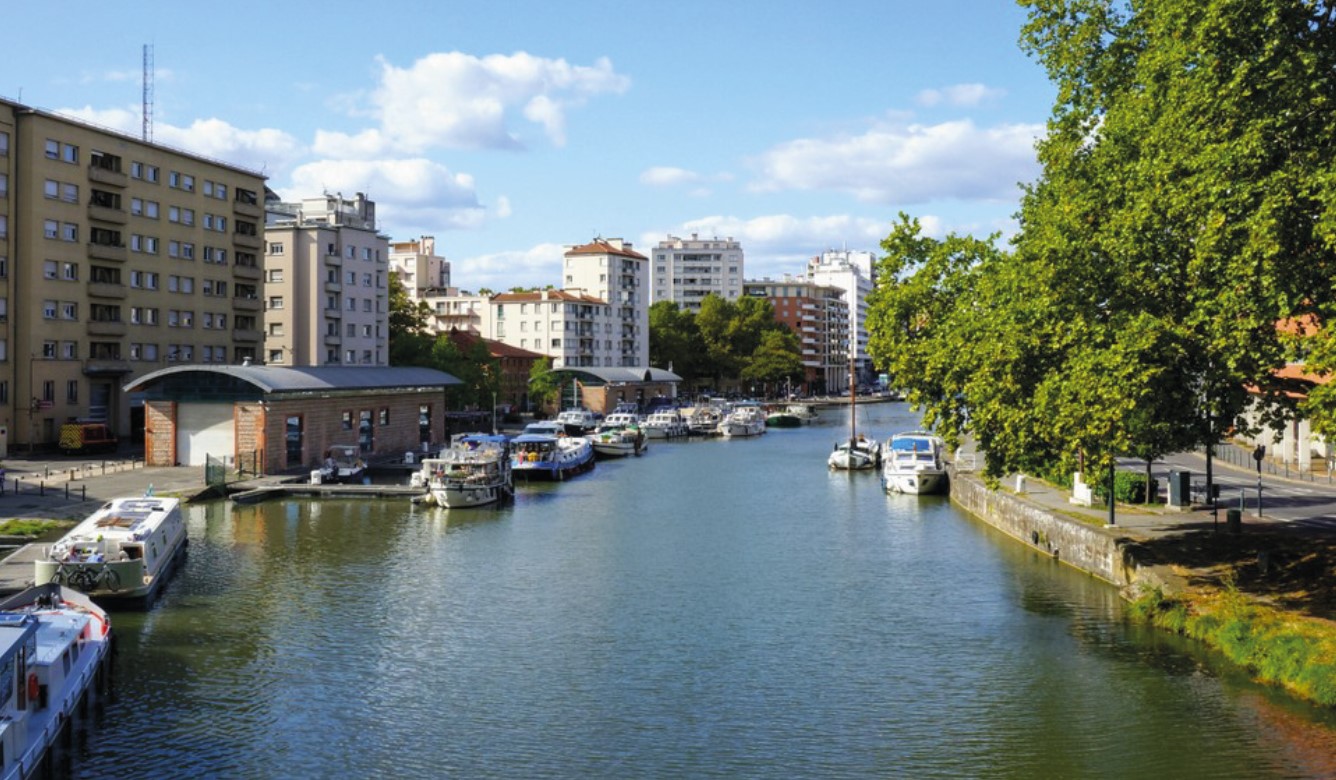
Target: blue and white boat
(913, 462)
(53, 644)
(544, 451)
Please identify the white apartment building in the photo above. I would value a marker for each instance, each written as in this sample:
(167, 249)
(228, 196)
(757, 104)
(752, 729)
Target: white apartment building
(853, 272)
(571, 328)
(425, 277)
(326, 293)
(688, 269)
(608, 269)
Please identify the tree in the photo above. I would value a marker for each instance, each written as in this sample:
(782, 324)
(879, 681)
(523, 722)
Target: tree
(478, 372)
(407, 323)
(675, 340)
(544, 383)
(776, 359)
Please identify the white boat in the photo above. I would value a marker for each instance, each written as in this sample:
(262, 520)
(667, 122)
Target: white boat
(803, 412)
(612, 440)
(474, 471)
(125, 549)
(856, 454)
(746, 419)
(704, 420)
(913, 462)
(544, 450)
(665, 424)
(53, 644)
(343, 463)
(621, 417)
(577, 422)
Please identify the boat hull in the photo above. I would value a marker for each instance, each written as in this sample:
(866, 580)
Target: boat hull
(461, 497)
(916, 483)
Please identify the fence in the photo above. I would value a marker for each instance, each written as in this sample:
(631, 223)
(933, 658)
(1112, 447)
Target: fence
(1242, 457)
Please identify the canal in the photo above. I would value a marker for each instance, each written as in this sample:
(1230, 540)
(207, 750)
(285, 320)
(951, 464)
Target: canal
(714, 608)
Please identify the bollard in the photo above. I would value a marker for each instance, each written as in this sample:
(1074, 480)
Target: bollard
(67, 491)
(41, 488)
(1234, 521)
(83, 492)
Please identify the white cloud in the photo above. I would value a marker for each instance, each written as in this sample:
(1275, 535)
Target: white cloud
(457, 100)
(908, 164)
(538, 266)
(503, 207)
(262, 149)
(412, 195)
(962, 95)
(667, 176)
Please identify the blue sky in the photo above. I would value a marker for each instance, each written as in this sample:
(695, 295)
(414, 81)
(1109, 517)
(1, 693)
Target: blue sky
(511, 129)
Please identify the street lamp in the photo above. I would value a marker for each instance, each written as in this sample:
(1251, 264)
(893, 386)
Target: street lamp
(1258, 455)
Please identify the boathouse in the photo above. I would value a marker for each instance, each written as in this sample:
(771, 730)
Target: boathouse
(601, 389)
(272, 419)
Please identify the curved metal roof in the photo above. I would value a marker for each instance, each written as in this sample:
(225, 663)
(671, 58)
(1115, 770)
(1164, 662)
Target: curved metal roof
(289, 379)
(615, 374)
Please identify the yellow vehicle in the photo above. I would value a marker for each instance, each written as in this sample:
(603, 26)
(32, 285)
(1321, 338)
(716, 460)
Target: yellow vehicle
(86, 437)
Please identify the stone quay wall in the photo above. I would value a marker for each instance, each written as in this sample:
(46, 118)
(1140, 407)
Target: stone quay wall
(1096, 550)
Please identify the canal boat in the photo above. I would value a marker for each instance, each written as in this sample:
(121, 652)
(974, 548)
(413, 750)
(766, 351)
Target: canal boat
(790, 416)
(544, 451)
(913, 462)
(474, 471)
(577, 422)
(746, 419)
(624, 414)
(704, 420)
(856, 454)
(343, 464)
(54, 642)
(617, 440)
(124, 550)
(665, 423)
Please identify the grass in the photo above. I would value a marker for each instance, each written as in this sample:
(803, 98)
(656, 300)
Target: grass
(1278, 648)
(29, 527)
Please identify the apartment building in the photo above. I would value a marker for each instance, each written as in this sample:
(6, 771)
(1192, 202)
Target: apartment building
(425, 277)
(819, 315)
(117, 257)
(688, 269)
(326, 293)
(610, 270)
(571, 328)
(854, 272)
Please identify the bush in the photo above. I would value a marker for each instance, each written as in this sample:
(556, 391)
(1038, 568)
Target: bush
(1128, 488)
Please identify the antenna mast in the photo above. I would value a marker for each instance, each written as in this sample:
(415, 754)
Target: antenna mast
(147, 108)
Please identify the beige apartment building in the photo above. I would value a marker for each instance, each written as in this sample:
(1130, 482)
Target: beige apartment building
(118, 257)
(610, 270)
(425, 278)
(688, 269)
(326, 293)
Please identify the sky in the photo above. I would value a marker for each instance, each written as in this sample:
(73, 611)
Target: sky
(512, 130)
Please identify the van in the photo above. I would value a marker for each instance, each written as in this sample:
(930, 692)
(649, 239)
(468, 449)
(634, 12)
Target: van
(86, 437)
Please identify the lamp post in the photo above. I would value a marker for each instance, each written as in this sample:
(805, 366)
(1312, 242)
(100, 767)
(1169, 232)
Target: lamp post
(493, 412)
(1258, 455)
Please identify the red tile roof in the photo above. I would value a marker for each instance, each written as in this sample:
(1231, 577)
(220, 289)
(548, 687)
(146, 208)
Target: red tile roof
(600, 247)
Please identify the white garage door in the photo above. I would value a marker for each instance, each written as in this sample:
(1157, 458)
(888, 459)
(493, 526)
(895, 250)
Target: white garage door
(204, 429)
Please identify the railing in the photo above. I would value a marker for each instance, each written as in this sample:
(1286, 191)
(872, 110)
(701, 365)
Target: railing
(1241, 457)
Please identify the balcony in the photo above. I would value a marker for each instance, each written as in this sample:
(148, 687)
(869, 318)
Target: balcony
(113, 253)
(244, 209)
(106, 328)
(247, 241)
(245, 334)
(333, 258)
(106, 367)
(332, 340)
(333, 287)
(245, 304)
(248, 272)
(107, 214)
(106, 290)
(97, 173)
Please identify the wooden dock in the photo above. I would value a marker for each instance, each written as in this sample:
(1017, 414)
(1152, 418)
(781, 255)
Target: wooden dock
(251, 494)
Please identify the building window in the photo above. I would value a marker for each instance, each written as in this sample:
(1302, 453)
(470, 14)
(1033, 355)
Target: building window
(69, 350)
(276, 248)
(48, 349)
(72, 391)
(347, 421)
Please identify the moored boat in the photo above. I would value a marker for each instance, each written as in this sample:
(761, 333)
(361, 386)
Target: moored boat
(856, 454)
(577, 422)
(617, 441)
(913, 462)
(343, 464)
(474, 471)
(125, 549)
(665, 424)
(53, 644)
(746, 419)
(543, 450)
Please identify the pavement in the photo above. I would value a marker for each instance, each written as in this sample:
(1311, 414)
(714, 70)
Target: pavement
(1291, 502)
(60, 488)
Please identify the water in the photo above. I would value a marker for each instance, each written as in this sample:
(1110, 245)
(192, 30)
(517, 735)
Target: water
(711, 609)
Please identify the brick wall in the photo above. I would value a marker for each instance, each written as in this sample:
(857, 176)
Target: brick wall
(159, 433)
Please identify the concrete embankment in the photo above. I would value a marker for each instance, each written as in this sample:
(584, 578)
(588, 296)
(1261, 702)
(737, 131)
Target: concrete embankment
(1106, 553)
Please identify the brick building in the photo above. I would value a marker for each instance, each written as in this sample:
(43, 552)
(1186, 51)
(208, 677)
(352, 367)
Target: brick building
(285, 419)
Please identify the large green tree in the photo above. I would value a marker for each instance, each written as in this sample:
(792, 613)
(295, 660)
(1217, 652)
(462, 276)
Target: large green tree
(675, 340)
(776, 360)
(410, 342)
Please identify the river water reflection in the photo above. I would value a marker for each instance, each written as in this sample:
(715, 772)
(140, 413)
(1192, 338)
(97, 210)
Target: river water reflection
(711, 609)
